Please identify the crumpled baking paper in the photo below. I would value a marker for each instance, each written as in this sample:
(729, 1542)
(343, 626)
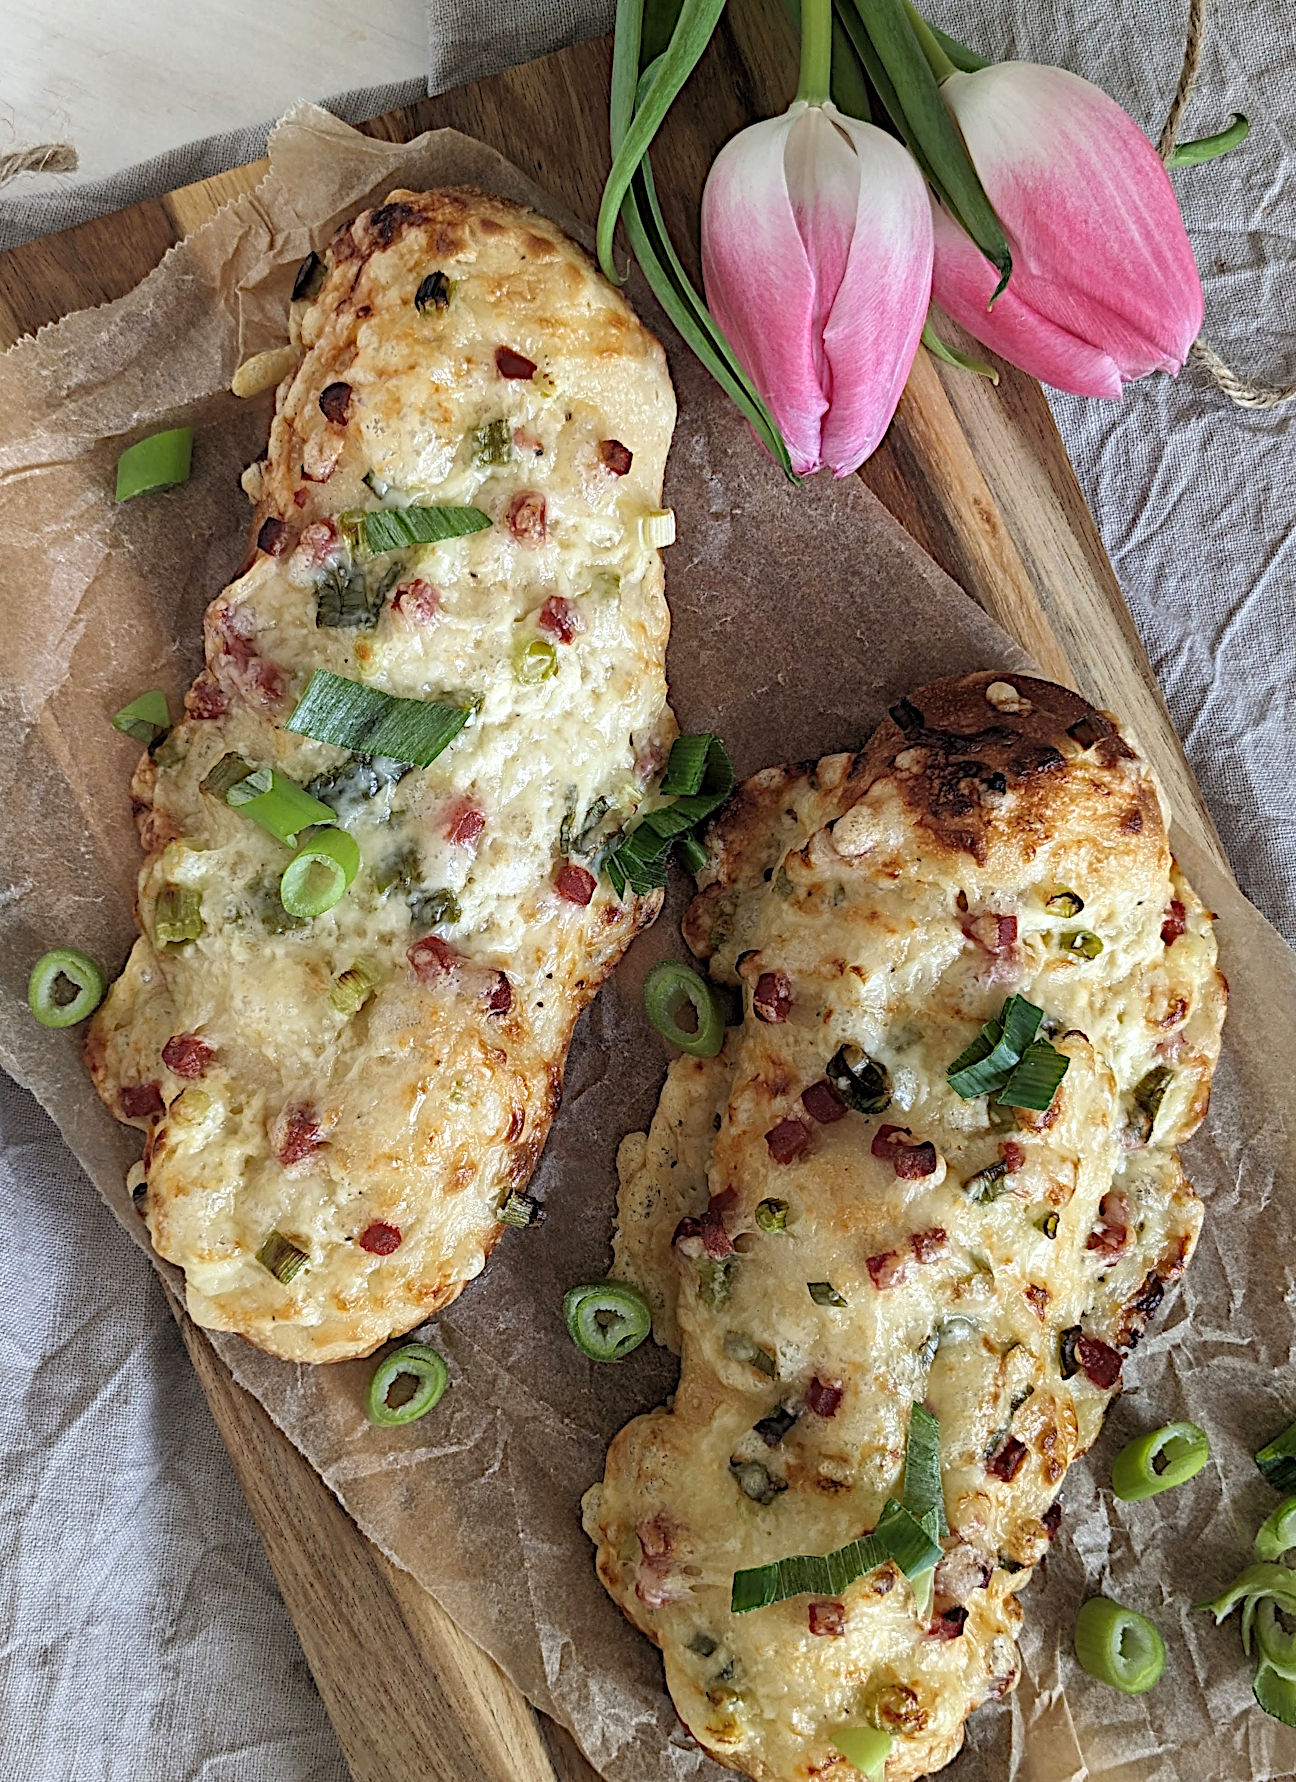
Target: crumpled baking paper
(798, 616)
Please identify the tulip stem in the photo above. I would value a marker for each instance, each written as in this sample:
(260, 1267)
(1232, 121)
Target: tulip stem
(816, 51)
(937, 60)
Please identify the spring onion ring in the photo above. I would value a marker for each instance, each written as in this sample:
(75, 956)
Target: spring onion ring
(667, 987)
(1277, 1534)
(424, 1366)
(67, 965)
(159, 462)
(606, 1319)
(865, 1748)
(1118, 1646)
(1159, 1460)
(320, 873)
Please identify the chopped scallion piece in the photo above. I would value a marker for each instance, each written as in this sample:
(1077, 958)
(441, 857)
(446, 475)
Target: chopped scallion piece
(415, 1361)
(702, 1644)
(1048, 1224)
(1034, 1082)
(1159, 1460)
(353, 987)
(228, 771)
(278, 804)
(1277, 1460)
(1277, 1533)
(1079, 943)
(1118, 1646)
(336, 710)
(738, 1346)
(865, 1748)
(145, 719)
(177, 916)
(1252, 1584)
(657, 530)
(159, 462)
(534, 661)
(1064, 903)
(715, 1281)
(924, 1494)
(667, 987)
(434, 292)
(1276, 1694)
(520, 1210)
(1149, 1093)
(987, 1063)
(606, 1319)
(282, 1257)
(46, 993)
(393, 528)
(691, 854)
(320, 873)
(862, 1083)
(491, 443)
(897, 1537)
(1277, 1647)
(640, 858)
(988, 1183)
(346, 600)
(823, 1293)
(756, 1481)
(434, 909)
(310, 278)
(772, 1215)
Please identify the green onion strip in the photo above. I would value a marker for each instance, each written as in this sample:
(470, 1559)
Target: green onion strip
(337, 710)
(159, 462)
(699, 777)
(145, 719)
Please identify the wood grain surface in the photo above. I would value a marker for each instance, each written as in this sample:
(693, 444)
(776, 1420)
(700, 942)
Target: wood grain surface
(977, 474)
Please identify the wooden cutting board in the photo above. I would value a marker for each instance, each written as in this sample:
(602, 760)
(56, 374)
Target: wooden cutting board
(977, 475)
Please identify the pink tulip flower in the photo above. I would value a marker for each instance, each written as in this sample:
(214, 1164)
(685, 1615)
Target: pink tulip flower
(816, 256)
(1104, 287)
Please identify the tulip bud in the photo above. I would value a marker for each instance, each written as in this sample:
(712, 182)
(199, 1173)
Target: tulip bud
(816, 256)
(1104, 287)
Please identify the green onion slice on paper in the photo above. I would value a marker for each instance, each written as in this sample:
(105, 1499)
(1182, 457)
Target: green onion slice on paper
(53, 976)
(159, 462)
(1118, 1646)
(413, 1361)
(1277, 1533)
(336, 710)
(667, 988)
(145, 719)
(606, 1319)
(1277, 1460)
(1159, 1460)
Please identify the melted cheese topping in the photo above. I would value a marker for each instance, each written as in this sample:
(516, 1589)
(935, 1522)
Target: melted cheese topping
(902, 897)
(416, 1116)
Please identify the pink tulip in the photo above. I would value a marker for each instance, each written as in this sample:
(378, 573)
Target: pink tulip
(816, 255)
(1104, 287)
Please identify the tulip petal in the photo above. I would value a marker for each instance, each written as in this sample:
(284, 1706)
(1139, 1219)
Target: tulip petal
(760, 284)
(963, 282)
(1099, 246)
(881, 303)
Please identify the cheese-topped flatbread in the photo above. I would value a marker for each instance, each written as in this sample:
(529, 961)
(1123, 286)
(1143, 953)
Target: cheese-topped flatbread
(833, 1234)
(367, 1087)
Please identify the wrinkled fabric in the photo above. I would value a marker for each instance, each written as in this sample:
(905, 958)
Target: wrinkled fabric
(143, 1640)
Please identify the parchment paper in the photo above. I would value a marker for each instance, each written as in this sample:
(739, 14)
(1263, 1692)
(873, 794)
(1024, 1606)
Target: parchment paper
(798, 616)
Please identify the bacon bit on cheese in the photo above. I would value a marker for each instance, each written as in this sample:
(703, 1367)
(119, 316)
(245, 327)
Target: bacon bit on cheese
(910, 1158)
(187, 1055)
(275, 537)
(417, 601)
(141, 1101)
(1014, 1156)
(560, 619)
(822, 1102)
(433, 958)
(827, 1618)
(887, 1269)
(335, 403)
(1052, 1518)
(615, 457)
(948, 1624)
(513, 365)
(297, 1134)
(319, 541)
(824, 1396)
(996, 933)
(206, 699)
(379, 1239)
(574, 884)
(788, 1140)
(711, 1227)
(1111, 1234)
(1176, 921)
(527, 518)
(464, 823)
(928, 1245)
(499, 995)
(772, 997)
(1007, 1459)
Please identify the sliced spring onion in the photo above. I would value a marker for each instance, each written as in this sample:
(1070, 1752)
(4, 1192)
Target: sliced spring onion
(1276, 1694)
(1034, 1081)
(336, 710)
(1118, 1646)
(865, 1748)
(352, 988)
(491, 443)
(756, 1481)
(393, 528)
(1252, 1585)
(988, 1183)
(46, 996)
(433, 292)
(346, 600)
(519, 1209)
(282, 1257)
(434, 909)
(534, 661)
(715, 1281)
(640, 859)
(703, 1645)
(738, 1346)
(1277, 1460)
(1079, 943)
(687, 764)
(278, 804)
(772, 1215)
(606, 1319)
(310, 278)
(1276, 1647)
(988, 1062)
(320, 873)
(177, 916)
(414, 1361)
(924, 1494)
(667, 987)
(691, 854)
(1149, 1093)
(657, 530)
(227, 772)
(823, 1293)
(1064, 903)
(159, 462)
(145, 719)
(1159, 1460)
(862, 1084)
(1277, 1533)
(897, 1537)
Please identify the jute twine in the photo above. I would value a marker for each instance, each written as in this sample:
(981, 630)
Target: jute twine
(1238, 389)
(45, 157)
